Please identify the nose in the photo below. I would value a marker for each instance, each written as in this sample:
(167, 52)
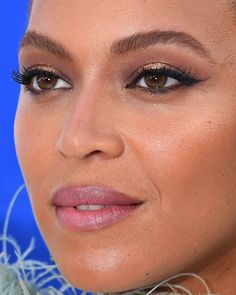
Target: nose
(89, 129)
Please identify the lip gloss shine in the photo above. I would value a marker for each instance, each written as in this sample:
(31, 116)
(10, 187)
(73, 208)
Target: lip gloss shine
(89, 208)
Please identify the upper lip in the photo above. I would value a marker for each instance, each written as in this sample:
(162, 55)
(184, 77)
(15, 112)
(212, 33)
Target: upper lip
(73, 196)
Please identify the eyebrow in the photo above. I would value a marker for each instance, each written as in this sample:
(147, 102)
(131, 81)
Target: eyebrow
(146, 39)
(122, 46)
(32, 38)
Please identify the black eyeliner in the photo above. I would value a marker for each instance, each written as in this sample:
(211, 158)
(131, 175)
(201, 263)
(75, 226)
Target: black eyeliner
(25, 76)
(183, 76)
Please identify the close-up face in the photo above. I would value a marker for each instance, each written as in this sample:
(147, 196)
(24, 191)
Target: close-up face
(125, 133)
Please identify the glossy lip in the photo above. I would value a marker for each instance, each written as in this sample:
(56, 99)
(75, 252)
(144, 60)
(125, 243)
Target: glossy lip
(118, 206)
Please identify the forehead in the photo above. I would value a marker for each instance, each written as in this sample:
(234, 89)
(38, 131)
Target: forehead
(91, 7)
(90, 25)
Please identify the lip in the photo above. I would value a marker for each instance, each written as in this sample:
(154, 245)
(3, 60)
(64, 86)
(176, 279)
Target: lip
(118, 206)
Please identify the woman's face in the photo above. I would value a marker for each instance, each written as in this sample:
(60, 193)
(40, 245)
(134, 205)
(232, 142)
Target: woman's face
(140, 98)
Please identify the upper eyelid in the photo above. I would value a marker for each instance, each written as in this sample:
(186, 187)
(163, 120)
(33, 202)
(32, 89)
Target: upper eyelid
(164, 68)
(156, 66)
(49, 69)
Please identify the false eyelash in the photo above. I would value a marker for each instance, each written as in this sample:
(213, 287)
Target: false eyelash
(25, 76)
(185, 77)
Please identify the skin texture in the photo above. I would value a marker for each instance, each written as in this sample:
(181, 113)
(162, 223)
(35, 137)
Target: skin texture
(176, 151)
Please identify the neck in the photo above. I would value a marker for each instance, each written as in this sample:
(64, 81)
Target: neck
(219, 274)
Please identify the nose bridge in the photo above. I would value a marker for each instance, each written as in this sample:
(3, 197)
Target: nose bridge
(88, 127)
(82, 116)
(82, 121)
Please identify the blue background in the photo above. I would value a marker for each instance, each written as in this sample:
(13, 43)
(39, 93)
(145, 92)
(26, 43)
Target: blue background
(13, 22)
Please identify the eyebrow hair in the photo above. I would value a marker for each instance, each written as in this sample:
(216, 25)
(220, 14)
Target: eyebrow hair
(122, 46)
(38, 40)
(146, 39)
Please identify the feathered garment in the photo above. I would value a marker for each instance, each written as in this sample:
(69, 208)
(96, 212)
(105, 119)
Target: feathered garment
(25, 276)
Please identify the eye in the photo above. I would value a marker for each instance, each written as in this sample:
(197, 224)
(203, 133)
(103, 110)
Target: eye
(160, 78)
(156, 81)
(39, 80)
(48, 82)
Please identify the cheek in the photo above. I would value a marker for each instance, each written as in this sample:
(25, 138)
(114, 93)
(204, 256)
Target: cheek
(35, 143)
(193, 162)
(35, 137)
(190, 160)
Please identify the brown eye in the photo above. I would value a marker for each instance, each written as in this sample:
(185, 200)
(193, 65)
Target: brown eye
(155, 81)
(47, 82)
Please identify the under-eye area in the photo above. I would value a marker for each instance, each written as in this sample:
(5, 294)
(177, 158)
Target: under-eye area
(125, 125)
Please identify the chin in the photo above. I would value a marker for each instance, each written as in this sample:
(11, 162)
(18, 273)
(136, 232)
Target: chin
(110, 281)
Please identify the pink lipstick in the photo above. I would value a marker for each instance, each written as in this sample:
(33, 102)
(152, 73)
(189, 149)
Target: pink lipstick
(89, 208)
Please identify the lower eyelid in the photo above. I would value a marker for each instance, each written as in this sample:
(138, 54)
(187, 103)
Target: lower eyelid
(158, 91)
(43, 92)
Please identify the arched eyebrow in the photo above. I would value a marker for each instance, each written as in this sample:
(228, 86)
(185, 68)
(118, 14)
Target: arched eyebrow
(35, 39)
(122, 46)
(146, 39)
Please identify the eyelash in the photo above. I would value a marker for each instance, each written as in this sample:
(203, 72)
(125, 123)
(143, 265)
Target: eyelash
(26, 76)
(185, 78)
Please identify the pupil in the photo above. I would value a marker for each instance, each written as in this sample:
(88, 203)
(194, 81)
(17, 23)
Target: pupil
(46, 82)
(155, 81)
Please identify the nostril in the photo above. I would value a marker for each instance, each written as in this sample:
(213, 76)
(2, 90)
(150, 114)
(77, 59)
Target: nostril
(84, 143)
(93, 153)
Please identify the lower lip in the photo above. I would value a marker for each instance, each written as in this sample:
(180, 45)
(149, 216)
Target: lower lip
(91, 220)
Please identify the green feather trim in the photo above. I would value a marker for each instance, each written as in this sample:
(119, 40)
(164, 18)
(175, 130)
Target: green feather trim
(31, 277)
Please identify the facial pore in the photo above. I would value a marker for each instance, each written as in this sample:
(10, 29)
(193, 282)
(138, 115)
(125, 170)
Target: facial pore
(154, 119)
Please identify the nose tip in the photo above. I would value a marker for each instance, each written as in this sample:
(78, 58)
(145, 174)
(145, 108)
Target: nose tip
(81, 145)
(89, 127)
(89, 130)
